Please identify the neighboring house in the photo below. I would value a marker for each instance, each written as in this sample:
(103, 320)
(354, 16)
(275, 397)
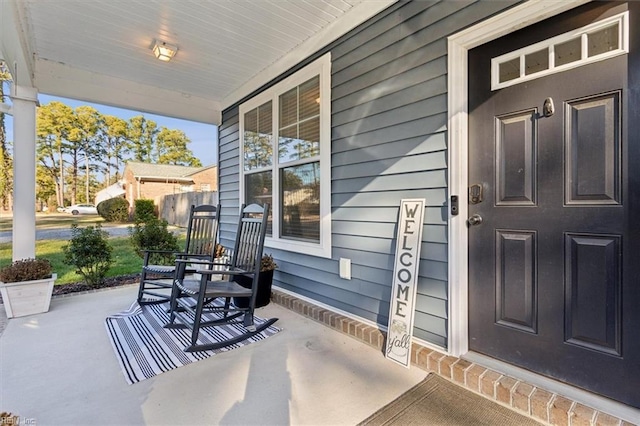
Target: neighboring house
(149, 181)
(532, 125)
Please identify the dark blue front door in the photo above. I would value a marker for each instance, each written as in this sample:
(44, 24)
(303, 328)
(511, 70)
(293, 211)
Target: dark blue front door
(553, 275)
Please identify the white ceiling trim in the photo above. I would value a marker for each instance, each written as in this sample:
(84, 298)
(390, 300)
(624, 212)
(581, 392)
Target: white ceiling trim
(354, 17)
(13, 44)
(57, 79)
(124, 74)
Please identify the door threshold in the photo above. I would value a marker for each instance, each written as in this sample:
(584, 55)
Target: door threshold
(600, 403)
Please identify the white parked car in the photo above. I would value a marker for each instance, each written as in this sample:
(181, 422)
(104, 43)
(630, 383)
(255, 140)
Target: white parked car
(81, 209)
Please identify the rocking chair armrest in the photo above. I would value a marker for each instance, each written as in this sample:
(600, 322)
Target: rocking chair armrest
(229, 271)
(185, 254)
(197, 266)
(202, 262)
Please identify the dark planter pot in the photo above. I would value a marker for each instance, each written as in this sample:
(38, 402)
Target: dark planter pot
(265, 279)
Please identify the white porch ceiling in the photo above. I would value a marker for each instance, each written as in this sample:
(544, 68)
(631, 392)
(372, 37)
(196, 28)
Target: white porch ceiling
(100, 50)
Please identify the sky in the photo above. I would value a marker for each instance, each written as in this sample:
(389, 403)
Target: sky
(203, 136)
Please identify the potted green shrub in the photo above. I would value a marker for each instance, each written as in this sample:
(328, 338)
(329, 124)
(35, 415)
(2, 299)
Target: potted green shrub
(265, 280)
(26, 287)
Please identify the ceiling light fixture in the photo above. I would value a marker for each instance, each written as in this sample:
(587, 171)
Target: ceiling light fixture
(164, 51)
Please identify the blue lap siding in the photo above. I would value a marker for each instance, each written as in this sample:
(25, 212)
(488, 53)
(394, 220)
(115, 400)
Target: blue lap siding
(389, 142)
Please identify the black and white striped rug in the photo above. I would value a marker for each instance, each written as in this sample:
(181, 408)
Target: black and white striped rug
(144, 348)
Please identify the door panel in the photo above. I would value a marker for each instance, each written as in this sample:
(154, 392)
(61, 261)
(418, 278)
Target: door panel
(592, 293)
(516, 284)
(593, 140)
(516, 147)
(553, 281)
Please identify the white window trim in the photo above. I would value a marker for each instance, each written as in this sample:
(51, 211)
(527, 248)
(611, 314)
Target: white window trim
(321, 67)
(622, 19)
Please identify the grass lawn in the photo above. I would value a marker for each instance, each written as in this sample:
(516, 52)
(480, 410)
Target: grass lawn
(125, 259)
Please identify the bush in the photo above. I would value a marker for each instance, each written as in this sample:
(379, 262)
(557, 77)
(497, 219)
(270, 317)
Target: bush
(143, 210)
(90, 252)
(114, 210)
(26, 270)
(154, 235)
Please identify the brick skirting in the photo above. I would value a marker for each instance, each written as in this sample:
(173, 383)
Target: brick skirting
(524, 398)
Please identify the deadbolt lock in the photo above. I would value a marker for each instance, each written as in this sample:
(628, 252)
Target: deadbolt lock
(475, 193)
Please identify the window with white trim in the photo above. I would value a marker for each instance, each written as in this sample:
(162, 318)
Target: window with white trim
(285, 147)
(595, 42)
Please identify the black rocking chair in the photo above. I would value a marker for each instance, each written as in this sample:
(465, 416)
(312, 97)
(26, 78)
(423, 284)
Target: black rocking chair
(202, 232)
(247, 254)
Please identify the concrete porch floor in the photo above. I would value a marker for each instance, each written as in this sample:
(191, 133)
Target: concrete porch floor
(321, 369)
(59, 368)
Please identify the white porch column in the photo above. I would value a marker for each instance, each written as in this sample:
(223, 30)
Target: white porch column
(24, 101)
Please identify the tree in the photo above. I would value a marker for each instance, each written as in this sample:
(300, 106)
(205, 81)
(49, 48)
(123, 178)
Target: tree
(142, 136)
(113, 134)
(6, 164)
(171, 148)
(53, 125)
(45, 186)
(83, 139)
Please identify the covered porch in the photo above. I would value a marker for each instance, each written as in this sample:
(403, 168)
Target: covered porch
(393, 125)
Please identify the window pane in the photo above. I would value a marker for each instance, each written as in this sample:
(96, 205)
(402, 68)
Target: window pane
(258, 140)
(265, 119)
(603, 41)
(536, 62)
(310, 98)
(289, 108)
(298, 142)
(509, 70)
(569, 51)
(259, 189)
(300, 198)
(287, 142)
(309, 138)
(251, 121)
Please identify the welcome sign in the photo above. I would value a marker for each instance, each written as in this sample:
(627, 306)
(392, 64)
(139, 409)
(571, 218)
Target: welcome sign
(405, 281)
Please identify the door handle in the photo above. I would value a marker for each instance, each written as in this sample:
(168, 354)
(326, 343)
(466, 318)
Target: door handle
(475, 220)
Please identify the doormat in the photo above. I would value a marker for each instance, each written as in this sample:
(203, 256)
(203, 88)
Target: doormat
(436, 401)
(145, 348)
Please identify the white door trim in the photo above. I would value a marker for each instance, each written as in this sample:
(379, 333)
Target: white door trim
(458, 46)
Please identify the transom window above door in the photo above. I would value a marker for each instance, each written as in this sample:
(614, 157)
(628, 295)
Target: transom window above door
(285, 144)
(595, 42)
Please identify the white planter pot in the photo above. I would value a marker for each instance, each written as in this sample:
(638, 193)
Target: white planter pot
(27, 297)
